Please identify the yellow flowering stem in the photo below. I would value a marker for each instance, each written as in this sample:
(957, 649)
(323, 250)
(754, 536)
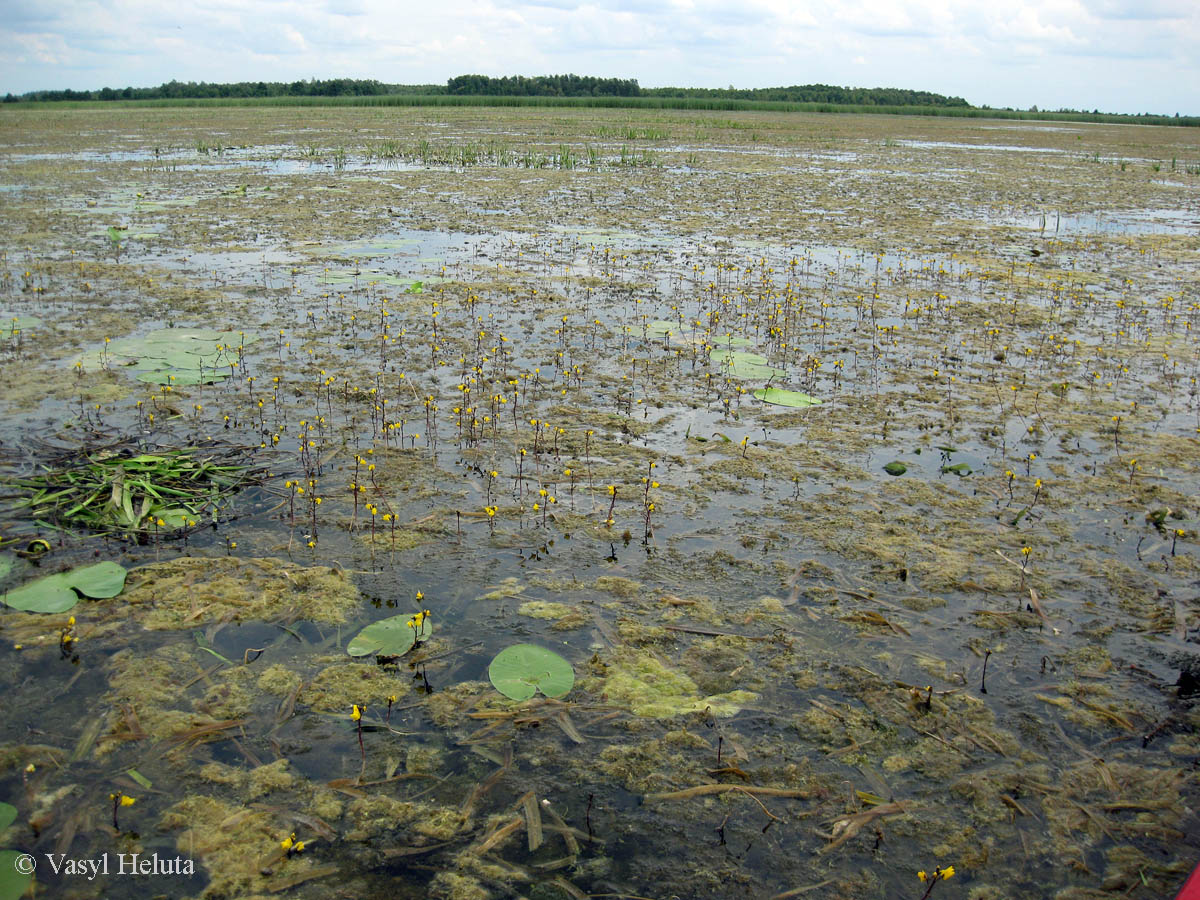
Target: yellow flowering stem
(612, 490)
(356, 715)
(118, 800)
(932, 878)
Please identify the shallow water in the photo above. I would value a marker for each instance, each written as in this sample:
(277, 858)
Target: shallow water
(857, 610)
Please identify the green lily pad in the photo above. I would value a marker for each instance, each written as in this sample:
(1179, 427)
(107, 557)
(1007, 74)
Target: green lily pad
(13, 883)
(181, 377)
(895, 468)
(8, 815)
(57, 593)
(100, 580)
(393, 636)
(15, 325)
(189, 354)
(731, 341)
(520, 671)
(743, 364)
(780, 397)
(6, 565)
(51, 594)
(959, 469)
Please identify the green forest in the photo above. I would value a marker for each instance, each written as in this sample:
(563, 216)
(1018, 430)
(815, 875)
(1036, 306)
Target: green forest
(485, 86)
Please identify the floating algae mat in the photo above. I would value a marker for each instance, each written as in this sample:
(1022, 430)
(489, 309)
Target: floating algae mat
(791, 522)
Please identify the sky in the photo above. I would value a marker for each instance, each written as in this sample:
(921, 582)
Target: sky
(1111, 55)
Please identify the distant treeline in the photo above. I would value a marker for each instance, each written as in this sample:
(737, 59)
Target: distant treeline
(576, 90)
(510, 86)
(816, 93)
(205, 90)
(543, 86)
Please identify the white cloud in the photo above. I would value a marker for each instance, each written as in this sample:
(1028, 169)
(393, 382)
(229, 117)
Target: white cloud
(1079, 53)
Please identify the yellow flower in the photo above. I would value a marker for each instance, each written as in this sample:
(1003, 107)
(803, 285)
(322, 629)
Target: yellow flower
(287, 843)
(127, 800)
(921, 875)
(947, 872)
(420, 596)
(356, 713)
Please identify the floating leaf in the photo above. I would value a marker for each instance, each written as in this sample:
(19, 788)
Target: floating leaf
(780, 397)
(15, 325)
(189, 354)
(6, 565)
(13, 883)
(8, 815)
(51, 594)
(895, 468)
(731, 341)
(100, 580)
(521, 670)
(56, 593)
(743, 364)
(393, 636)
(182, 377)
(959, 469)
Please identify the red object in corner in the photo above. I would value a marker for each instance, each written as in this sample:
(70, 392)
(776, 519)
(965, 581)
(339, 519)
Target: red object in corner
(1191, 887)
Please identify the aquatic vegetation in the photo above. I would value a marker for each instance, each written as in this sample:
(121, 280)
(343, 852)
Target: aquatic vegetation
(566, 433)
(780, 397)
(190, 591)
(393, 636)
(14, 879)
(59, 593)
(14, 882)
(522, 670)
(144, 495)
(174, 356)
(639, 682)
